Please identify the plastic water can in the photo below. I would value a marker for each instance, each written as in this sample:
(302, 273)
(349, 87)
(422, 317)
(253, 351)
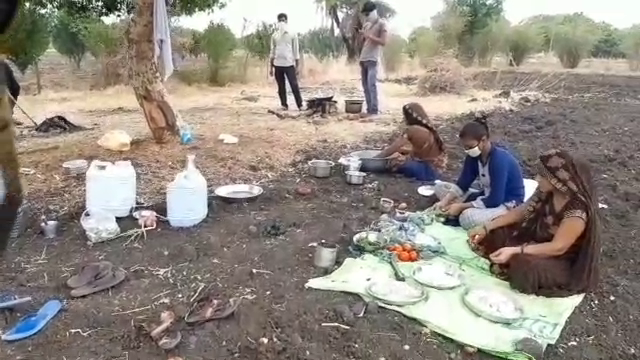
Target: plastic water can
(187, 198)
(111, 187)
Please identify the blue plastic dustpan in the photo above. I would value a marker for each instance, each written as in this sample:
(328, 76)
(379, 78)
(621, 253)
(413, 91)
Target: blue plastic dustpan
(31, 324)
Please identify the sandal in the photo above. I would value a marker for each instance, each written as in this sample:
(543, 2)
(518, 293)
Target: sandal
(170, 341)
(207, 309)
(89, 273)
(106, 282)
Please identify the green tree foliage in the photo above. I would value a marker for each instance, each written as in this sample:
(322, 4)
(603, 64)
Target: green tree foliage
(574, 38)
(102, 40)
(28, 37)
(393, 53)
(322, 43)
(522, 41)
(102, 8)
(631, 47)
(464, 25)
(66, 37)
(258, 43)
(545, 26)
(490, 41)
(422, 44)
(609, 43)
(218, 44)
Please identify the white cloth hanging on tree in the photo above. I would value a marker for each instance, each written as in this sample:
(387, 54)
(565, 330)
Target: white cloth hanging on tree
(162, 38)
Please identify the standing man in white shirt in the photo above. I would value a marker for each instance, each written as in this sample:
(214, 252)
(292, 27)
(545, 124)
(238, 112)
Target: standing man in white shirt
(285, 58)
(374, 32)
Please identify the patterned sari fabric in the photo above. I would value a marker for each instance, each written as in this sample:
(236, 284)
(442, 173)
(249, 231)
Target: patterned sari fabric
(428, 148)
(576, 270)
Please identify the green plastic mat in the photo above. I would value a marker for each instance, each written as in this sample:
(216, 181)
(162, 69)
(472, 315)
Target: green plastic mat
(444, 312)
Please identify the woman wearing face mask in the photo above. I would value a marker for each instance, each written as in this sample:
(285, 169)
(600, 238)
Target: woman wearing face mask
(495, 169)
(548, 246)
(419, 152)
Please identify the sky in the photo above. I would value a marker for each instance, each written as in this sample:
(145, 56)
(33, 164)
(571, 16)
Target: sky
(305, 15)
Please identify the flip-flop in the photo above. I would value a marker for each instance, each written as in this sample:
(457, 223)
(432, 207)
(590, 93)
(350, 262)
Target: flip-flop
(211, 309)
(9, 301)
(106, 282)
(33, 323)
(170, 341)
(89, 273)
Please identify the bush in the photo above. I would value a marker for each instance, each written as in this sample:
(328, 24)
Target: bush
(258, 43)
(194, 47)
(522, 41)
(573, 42)
(322, 43)
(218, 44)
(106, 43)
(392, 53)
(66, 38)
(490, 41)
(631, 47)
(102, 40)
(423, 45)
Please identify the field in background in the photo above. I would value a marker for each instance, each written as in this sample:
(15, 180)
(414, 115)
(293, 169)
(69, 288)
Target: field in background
(59, 76)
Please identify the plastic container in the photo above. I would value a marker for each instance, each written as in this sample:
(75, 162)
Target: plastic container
(186, 134)
(111, 187)
(187, 198)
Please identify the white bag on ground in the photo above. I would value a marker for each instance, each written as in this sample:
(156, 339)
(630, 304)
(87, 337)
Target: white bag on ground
(99, 225)
(115, 140)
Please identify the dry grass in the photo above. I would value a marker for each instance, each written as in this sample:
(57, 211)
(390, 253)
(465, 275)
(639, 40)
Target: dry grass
(443, 75)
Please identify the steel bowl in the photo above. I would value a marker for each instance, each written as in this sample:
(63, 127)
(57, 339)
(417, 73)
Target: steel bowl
(370, 163)
(75, 167)
(353, 106)
(320, 168)
(238, 192)
(355, 177)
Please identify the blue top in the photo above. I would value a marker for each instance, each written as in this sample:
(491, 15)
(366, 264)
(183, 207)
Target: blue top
(505, 176)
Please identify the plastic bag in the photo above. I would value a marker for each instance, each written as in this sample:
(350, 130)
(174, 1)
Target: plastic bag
(115, 140)
(99, 225)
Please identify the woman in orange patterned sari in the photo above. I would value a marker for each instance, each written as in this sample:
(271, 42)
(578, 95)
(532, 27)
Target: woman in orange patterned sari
(419, 152)
(550, 245)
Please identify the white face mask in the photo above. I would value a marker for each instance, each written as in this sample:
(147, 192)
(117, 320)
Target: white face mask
(282, 26)
(373, 16)
(474, 152)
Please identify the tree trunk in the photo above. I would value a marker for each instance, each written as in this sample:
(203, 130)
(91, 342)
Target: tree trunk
(145, 78)
(352, 56)
(38, 78)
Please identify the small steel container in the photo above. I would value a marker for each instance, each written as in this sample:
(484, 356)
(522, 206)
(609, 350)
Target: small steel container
(355, 177)
(325, 256)
(320, 168)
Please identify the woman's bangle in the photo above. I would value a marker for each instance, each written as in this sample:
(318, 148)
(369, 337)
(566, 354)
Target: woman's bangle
(486, 229)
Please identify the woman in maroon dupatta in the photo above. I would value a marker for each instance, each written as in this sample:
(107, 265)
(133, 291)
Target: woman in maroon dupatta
(550, 245)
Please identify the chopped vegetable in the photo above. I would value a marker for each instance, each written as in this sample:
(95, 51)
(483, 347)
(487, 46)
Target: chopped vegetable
(404, 256)
(413, 256)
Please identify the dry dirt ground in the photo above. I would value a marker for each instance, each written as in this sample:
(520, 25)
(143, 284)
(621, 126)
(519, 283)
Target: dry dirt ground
(592, 115)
